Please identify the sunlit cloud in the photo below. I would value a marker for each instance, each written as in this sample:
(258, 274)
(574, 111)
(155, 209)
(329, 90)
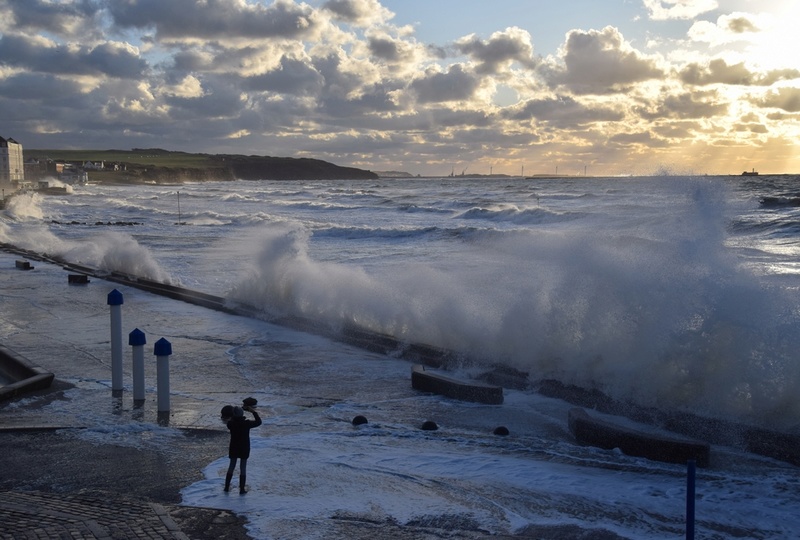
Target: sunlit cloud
(342, 80)
(661, 10)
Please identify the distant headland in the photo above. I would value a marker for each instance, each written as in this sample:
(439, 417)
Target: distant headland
(158, 166)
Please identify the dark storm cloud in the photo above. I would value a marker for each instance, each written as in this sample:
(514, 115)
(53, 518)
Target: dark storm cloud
(212, 19)
(787, 99)
(599, 62)
(499, 51)
(37, 55)
(718, 71)
(457, 84)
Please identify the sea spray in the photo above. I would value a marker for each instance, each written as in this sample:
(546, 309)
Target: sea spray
(24, 207)
(107, 250)
(640, 287)
(661, 313)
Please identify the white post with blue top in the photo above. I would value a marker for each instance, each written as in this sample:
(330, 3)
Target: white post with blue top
(137, 341)
(115, 301)
(162, 350)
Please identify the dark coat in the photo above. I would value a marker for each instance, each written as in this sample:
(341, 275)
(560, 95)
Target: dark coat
(240, 436)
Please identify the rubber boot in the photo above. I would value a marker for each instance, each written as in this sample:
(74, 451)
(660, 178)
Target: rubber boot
(242, 489)
(228, 478)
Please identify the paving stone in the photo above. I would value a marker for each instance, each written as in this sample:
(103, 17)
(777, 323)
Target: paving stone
(46, 516)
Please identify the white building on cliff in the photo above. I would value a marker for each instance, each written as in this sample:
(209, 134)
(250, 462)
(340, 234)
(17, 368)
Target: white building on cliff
(12, 168)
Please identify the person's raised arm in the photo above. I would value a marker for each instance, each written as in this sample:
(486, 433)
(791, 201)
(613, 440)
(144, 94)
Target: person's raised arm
(255, 415)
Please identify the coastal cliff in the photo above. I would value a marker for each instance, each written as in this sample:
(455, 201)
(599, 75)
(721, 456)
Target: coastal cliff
(154, 165)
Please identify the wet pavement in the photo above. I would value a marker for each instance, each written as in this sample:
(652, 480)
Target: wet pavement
(82, 515)
(81, 461)
(62, 478)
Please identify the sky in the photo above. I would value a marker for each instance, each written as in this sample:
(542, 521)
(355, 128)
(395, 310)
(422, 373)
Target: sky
(430, 87)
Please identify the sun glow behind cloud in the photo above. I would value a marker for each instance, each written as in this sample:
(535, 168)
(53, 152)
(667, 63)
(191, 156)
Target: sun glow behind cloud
(776, 46)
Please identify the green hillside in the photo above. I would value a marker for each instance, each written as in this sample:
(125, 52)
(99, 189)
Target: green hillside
(162, 166)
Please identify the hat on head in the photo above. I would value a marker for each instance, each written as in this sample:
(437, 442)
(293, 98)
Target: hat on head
(237, 411)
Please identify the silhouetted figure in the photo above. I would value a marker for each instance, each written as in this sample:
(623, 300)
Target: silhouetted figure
(240, 444)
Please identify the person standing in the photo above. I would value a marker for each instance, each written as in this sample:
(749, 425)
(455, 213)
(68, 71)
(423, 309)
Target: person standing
(239, 448)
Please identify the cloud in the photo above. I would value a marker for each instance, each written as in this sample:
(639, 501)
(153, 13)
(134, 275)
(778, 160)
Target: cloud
(220, 98)
(393, 55)
(188, 87)
(636, 138)
(359, 12)
(564, 112)
(694, 105)
(728, 28)
(787, 99)
(456, 84)
(752, 127)
(599, 62)
(499, 51)
(66, 19)
(37, 54)
(37, 86)
(663, 10)
(337, 79)
(216, 19)
(718, 71)
(289, 77)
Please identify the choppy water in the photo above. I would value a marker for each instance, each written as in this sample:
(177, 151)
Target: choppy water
(675, 292)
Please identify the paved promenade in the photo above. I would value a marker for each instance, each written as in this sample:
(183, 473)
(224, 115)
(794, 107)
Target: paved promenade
(55, 485)
(77, 461)
(82, 515)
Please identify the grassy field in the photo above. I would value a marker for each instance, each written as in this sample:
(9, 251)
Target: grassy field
(143, 157)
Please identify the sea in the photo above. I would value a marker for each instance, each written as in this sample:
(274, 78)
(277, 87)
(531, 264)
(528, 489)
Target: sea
(674, 293)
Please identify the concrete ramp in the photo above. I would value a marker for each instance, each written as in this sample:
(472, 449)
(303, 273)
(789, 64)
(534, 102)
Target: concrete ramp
(595, 432)
(20, 374)
(431, 381)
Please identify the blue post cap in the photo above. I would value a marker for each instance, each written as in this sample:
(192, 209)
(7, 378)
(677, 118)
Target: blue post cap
(115, 298)
(162, 348)
(136, 337)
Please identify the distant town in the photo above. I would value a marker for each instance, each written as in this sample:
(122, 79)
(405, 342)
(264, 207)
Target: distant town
(17, 173)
